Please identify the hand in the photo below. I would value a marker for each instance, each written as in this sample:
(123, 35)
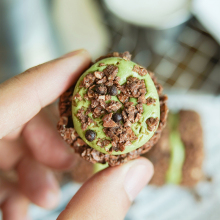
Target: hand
(31, 145)
(109, 193)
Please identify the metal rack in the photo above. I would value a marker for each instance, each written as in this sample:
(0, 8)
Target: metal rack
(185, 57)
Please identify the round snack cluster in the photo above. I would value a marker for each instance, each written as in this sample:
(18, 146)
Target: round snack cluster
(115, 106)
(116, 112)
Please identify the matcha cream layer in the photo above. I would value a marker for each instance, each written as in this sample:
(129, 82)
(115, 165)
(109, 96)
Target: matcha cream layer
(115, 106)
(174, 173)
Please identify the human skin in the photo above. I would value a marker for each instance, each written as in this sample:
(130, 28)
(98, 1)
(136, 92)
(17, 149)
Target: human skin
(31, 146)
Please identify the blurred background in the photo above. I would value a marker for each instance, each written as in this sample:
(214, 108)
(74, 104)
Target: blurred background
(177, 39)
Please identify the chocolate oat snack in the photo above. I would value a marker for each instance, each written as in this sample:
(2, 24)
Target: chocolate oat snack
(114, 113)
(178, 156)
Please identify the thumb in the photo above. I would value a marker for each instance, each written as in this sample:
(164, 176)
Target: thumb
(109, 193)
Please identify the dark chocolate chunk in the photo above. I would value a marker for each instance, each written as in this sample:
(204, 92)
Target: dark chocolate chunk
(90, 135)
(112, 90)
(117, 117)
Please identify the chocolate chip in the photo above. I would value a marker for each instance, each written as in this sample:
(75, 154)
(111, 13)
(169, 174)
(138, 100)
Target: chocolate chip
(102, 90)
(117, 117)
(90, 135)
(112, 90)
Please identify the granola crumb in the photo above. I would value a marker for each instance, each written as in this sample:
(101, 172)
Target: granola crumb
(140, 70)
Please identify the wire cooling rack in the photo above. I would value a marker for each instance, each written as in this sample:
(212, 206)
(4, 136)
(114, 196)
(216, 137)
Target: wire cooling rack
(185, 57)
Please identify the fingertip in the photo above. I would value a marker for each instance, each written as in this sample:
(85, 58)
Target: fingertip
(148, 164)
(82, 52)
(51, 199)
(38, 183)
(15, 207)
(38, 87)
(50, 192)
(113, 188)
(138, 174)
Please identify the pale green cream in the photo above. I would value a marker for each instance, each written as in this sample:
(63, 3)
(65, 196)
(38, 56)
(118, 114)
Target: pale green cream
(125, 69)
(98, 167)
(174, 173)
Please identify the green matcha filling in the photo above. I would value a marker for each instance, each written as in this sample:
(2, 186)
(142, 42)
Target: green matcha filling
(125, 69)
(174, 173)
(98, 167)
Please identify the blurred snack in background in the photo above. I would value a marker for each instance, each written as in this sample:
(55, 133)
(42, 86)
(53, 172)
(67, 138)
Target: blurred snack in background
(179, 154)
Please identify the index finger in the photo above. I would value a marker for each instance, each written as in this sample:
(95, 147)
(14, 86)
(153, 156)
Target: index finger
(23, 96)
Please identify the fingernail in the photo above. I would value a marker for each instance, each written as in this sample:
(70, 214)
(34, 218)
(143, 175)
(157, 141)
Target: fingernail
(53, 193)
(72, 53)
(52, 199)
(138, 175)
(51, 180)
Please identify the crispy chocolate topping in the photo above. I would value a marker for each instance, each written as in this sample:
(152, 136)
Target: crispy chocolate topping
(110, 71)
(140, 70)
(102, 90)
(152, 123)
(110, 86)
(88, 80)
(86, 120)
(98, 74)
(113, 106)
(112, 90)
(150, 101)
(121, 135)
(134, 87)
(95, 156)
